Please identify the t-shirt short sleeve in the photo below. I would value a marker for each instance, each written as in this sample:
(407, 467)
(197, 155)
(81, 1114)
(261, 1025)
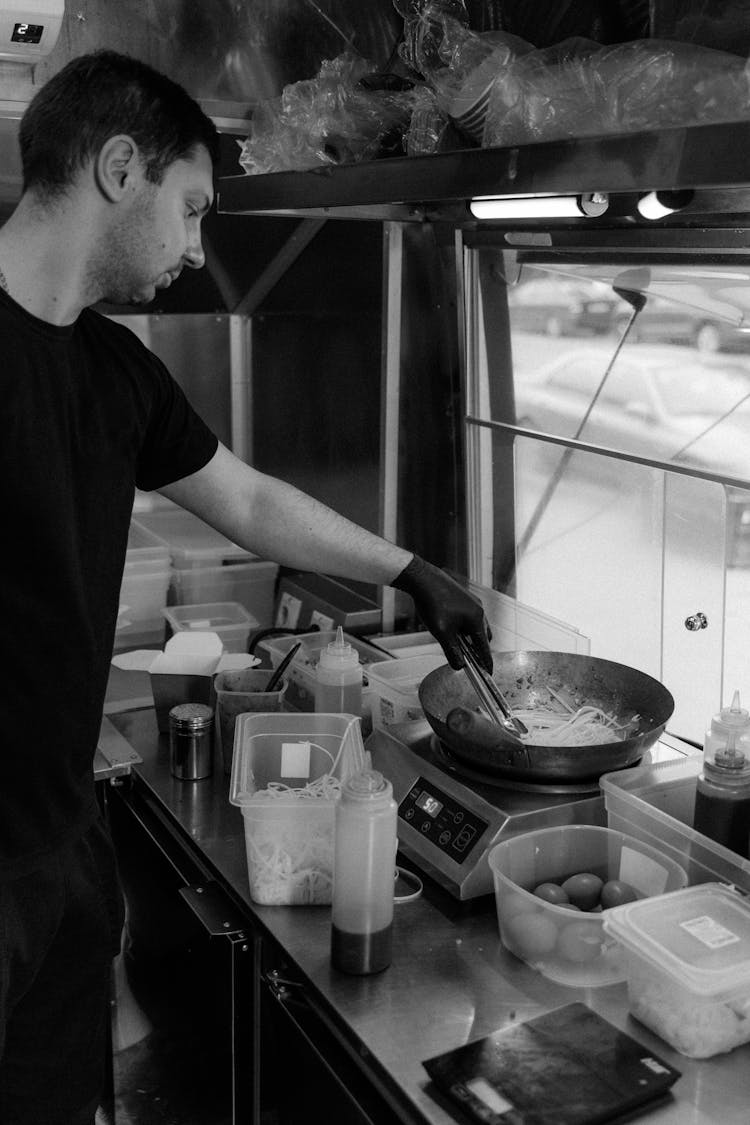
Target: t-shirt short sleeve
(177, 441)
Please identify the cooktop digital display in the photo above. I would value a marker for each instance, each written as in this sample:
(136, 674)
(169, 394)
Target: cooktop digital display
(443, 820)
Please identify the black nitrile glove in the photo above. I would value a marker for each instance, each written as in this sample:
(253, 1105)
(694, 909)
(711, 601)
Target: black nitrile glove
(447, 610)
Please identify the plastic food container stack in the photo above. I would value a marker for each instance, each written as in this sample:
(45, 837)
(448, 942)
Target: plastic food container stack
(208, 567)
(143, 592)
(405, 645)
(570, 946)
(655, 803)
(289, 833)
(395, 687)
(688, 966)
(230, 620)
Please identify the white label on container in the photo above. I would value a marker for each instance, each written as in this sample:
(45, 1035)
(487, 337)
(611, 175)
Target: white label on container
(200, 623)
(709, 932)
(324, 623)
(489, 1095)
(287, 615)
(642, 872)
(295, 759)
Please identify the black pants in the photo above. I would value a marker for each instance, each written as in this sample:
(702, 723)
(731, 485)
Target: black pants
(60, 929)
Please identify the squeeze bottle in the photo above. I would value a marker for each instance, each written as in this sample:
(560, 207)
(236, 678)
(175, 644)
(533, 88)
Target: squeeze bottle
(338, 678)
(364, 867)
(722, 797)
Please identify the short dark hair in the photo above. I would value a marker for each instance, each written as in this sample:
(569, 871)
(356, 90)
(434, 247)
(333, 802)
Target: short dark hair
(97, 96)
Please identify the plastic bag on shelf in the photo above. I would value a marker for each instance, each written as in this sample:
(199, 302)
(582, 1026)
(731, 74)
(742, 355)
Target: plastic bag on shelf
(458, 64)
(344, 114)
(579, 88)
(424, 31)
(431, 129)
(475, 62)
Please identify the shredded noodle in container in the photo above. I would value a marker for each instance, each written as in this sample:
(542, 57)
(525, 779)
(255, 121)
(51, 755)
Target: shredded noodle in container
(289, 820)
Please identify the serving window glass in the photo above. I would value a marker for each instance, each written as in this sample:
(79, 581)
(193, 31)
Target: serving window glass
(608, 457)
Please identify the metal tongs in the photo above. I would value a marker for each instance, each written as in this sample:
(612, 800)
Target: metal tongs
(492, 699)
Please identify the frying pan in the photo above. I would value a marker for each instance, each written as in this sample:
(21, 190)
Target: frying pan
(525, 678)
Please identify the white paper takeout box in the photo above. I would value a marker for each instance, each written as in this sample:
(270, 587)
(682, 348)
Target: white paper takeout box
(184, 672)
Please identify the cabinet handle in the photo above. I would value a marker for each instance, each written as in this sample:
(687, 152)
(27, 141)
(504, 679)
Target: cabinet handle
(696, 621)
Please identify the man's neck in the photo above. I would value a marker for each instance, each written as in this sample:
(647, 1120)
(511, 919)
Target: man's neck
(41, 265)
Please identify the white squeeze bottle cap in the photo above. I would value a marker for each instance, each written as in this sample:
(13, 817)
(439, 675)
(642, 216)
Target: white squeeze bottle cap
(338, 678)
(339, 654)
(721, 748)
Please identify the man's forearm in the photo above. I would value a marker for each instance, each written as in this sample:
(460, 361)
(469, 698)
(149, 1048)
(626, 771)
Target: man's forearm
(277, 521)
(297, 530)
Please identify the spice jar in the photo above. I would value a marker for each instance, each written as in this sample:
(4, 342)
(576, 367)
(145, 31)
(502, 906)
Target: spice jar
(191, 733)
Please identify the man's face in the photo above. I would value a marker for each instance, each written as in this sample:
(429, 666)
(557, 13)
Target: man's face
(157, 233)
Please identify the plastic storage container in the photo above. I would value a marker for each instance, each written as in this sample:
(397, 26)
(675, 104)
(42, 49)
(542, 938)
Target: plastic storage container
(230, 620)
(656, 803)
(688, 966)
(301, 672)
(289, 839)
(189, 540)
(208, 567)
(395, 687)
(143, 546)
(238, 693)
(143, 591)
(569, 946)
(252, 584)
(405, 645)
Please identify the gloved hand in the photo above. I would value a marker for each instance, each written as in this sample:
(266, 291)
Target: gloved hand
(447, 610)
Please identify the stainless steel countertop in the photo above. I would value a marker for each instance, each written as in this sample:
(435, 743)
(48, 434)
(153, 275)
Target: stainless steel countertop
(451, 980)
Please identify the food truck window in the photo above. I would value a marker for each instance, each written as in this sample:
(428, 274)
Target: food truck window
(608, 439)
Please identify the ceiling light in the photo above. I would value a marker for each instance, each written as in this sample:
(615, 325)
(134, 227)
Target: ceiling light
(539, 206)
(657, 204)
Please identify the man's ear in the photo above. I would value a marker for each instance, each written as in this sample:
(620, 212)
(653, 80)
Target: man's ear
(117, 167)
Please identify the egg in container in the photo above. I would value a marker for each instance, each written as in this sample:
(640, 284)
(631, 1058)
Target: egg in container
(560, 931)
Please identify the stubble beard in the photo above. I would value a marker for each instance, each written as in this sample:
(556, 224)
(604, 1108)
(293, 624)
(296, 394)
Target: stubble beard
(120, 271)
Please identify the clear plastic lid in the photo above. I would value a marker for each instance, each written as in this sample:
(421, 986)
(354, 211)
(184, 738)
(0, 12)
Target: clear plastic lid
(699, 935)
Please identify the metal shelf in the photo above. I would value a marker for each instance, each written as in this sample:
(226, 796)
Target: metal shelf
(709, 158)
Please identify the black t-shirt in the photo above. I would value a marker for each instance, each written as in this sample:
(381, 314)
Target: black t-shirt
(87, 413)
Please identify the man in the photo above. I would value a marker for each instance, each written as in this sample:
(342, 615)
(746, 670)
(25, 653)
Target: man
(118, 171)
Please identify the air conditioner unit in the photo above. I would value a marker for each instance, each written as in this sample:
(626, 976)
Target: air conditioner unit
(29, 31)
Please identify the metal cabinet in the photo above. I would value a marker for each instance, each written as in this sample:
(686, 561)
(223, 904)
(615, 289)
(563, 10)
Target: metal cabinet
(192, 960)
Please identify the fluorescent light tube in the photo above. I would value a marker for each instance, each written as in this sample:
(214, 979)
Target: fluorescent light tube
(657, 204)
(538, 206)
